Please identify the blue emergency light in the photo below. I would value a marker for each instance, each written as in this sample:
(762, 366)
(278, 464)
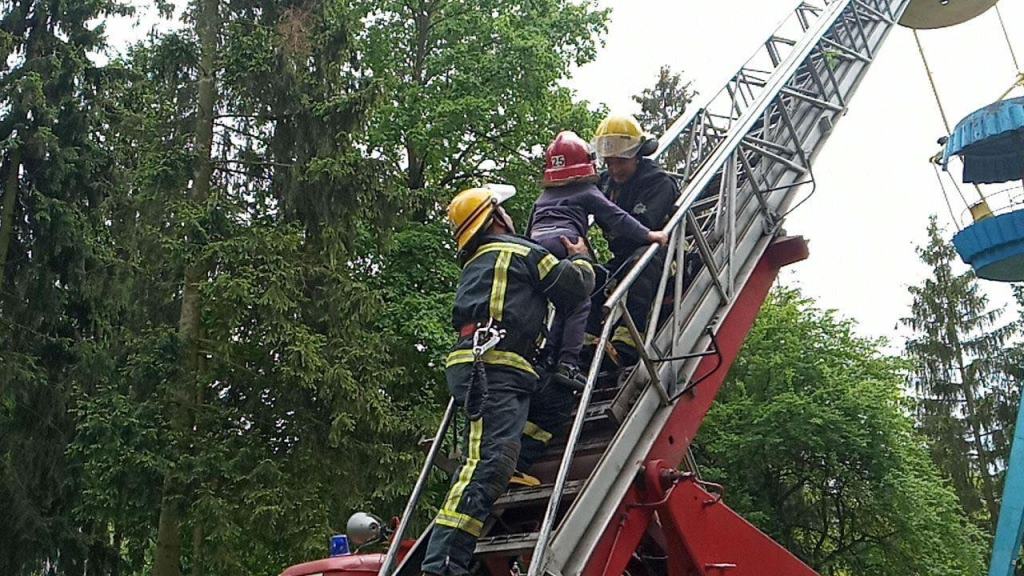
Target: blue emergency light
(339, 545)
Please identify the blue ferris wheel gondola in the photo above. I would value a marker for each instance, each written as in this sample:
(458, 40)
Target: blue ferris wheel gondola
(994, 247)
(990, 142)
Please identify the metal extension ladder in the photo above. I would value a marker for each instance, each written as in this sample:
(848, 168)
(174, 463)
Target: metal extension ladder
(747, 153)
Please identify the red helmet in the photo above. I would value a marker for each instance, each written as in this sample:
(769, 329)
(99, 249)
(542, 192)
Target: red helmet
(569, 158)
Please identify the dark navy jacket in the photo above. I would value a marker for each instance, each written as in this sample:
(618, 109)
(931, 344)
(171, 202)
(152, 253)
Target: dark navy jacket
(510, 279)
(565, 211)
(649, 196)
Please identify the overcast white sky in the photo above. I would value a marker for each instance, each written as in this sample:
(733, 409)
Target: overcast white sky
(875, 187)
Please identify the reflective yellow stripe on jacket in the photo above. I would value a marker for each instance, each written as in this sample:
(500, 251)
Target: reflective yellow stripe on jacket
(499, 247)
(500, 285)
(494, 357)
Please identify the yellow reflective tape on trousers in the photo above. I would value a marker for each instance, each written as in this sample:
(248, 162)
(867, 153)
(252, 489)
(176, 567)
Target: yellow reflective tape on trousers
(495, 357)
(536, 432)
(546, 265)
(499, 247)
(451, 504)
(459, 521)
(500, 285)
(623, 335)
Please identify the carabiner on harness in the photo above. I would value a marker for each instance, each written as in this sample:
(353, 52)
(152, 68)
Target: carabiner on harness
(486, 337)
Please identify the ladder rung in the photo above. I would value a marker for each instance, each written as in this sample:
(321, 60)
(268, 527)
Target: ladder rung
(506, 544)
(596, 411)
(522, 497)
(586, 445)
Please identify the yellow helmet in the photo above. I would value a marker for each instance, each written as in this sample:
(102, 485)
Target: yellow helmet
(471, 210)
(620, 136)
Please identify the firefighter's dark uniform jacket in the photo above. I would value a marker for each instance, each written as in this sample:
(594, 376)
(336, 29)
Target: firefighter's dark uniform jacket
(511, 279)
(508, 279)
(649, 196)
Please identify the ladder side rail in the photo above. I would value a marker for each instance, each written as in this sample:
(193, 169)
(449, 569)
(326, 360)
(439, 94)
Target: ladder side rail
(820, 104)
(565, 464)
(719, 158)
(421, 483)
(741, 83)
(594, 508)
(807, 115)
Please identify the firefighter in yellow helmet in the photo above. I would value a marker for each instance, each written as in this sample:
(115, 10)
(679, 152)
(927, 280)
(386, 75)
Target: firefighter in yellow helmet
(502, 295)
(621, 143)
(639, 186)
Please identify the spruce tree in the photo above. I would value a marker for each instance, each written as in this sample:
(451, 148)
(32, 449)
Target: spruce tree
(54, 176)
(660, 105)
(959, 351)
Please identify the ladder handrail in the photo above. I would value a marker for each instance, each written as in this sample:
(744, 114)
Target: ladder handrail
(417, 491)
(563, 467)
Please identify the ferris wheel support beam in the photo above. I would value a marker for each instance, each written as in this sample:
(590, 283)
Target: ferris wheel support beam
(1010, 530)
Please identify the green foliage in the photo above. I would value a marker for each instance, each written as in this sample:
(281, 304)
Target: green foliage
(53, 176)
(472, 85)
(326, 279)
(292, 417)
(965, 376)
(810, 436)
(660, 106)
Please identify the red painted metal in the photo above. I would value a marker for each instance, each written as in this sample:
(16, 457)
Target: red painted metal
(620, 539)
(352, 565)
(710, 539)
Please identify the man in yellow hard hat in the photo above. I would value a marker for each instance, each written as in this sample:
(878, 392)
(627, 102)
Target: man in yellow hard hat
(639, 186)
(500, 309)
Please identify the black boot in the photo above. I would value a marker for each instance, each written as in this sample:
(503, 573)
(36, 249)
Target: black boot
(569, 375)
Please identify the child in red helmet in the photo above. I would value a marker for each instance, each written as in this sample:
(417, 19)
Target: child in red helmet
(563, 209)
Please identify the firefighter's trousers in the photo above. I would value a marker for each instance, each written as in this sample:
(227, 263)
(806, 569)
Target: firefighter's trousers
(516, 413)
(638, 302)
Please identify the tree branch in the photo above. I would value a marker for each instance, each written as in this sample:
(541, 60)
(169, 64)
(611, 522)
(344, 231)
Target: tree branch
(236, 130)
(863, 539)
(254, 163)
(233, 171)
(463, 176)
(254, 116)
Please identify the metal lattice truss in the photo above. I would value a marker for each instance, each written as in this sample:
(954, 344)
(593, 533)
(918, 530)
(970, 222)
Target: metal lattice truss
(748, 153)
